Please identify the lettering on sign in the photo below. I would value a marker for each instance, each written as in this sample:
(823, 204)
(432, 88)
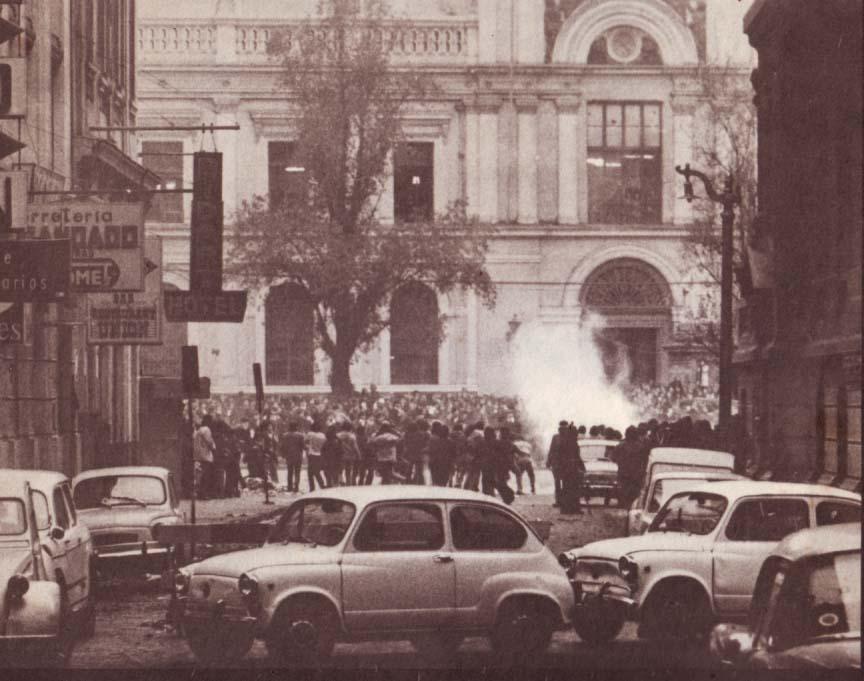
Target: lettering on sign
(11, 323)
(34, 271)
(107, 242)
(188, 306)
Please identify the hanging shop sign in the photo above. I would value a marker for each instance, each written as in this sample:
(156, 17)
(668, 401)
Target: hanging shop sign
(130, 318)
(11, 323)
(107, 242)
(34, 271)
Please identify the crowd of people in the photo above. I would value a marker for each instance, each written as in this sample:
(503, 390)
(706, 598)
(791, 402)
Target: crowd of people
(674, 401)
(460, 439)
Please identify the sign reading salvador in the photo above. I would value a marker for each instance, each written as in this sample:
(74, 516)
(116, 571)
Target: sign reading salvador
(107, 242)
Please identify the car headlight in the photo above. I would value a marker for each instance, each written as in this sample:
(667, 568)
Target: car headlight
(564, 560)
(248, 587)
(182, 580)
(628, 568)
(17, 586)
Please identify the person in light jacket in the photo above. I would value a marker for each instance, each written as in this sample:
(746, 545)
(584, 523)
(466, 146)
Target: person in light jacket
(385, 443)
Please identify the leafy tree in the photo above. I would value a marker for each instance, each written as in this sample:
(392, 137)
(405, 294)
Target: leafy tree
(346, 102)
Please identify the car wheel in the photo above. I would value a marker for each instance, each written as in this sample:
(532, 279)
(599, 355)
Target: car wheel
(216, 648)
(439, 645)
(677, 611)
(303, 632)
(522, 631)
(599, 623)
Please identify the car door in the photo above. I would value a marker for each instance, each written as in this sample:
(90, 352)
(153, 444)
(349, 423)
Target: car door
(78, 548)
(487, 542)
(753, 528)
(397, 570)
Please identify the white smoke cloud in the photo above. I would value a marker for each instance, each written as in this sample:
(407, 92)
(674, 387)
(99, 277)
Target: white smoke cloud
(558, 374)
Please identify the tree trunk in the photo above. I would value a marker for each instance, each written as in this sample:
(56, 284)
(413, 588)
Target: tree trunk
(340, 372)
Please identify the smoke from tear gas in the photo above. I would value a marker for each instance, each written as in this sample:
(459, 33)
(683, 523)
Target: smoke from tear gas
(558, 374)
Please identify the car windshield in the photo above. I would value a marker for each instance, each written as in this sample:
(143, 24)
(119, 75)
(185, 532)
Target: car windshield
(12, 517)
(119, 490)
(592, 452)
(317, 521)
(690, 512)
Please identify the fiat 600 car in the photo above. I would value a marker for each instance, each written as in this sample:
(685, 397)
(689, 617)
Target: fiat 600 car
(44, 567)
(426, 564)
(698, 560)
(806, 610)
(601, 473)
(122, 506)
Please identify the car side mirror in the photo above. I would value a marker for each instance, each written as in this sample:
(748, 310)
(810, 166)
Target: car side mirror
(57, 533)
(731, 643)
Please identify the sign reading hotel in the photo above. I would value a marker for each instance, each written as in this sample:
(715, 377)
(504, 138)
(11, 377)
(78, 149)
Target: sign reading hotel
(130, 318)
(107, 242)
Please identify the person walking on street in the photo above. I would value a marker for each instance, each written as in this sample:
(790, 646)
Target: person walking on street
(415, 444)
(524, 465)
(385, 443)
(292, 445)
(331, 457)
(350, 453)
(367, 454)
(315, 440)
(572, 471)
(627, 456)
(474, 456)
(233, 474)
(553, 460)
(460, 463)
(203, 448)
(441, 454)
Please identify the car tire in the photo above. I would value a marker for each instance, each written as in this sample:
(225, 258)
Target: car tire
(214, 648)
(303, 633)
(522, 632)
(599, 623)
(439, 645)
(678, 610)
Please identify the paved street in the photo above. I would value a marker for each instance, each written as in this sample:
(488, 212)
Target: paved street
(131, 631)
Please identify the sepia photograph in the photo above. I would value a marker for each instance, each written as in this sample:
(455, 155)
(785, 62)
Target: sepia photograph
(430, 339)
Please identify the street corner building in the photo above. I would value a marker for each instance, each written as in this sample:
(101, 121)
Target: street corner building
(558, 122)
(798, 361)
(68, 402)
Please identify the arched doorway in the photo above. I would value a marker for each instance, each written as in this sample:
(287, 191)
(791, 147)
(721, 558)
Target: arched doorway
(635, 301)
(289, 338)
(414, 336)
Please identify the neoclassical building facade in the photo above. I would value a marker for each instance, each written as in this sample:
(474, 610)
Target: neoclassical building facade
(558, 122)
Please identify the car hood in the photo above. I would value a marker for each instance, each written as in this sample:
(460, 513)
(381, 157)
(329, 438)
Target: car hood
(601, 466)
(270, 555)
(652, 541)
(842, 653)
(121, 516)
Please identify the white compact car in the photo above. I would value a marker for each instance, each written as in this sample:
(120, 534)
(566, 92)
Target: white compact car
(428, 564)
(601, 473)
(122, 506)
(699, 559)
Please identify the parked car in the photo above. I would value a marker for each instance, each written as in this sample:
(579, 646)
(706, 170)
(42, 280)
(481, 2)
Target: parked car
(699, 559)
(662, 486)
(806, 610)
(122, 506)
(44, 566)
(601, 473)
(427, 564)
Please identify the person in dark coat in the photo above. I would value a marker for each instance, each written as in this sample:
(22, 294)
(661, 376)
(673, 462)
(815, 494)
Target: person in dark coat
(553, 460)
(331, 457)
(441, 454)
(628, 456)
(292, 445)
(572, 471)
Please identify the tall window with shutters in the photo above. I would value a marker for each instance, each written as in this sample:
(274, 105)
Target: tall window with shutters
(624, 163)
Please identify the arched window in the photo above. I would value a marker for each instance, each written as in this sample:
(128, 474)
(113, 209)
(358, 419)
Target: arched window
(289, 338)
(626, 285)
(625, 45)
(414, 336)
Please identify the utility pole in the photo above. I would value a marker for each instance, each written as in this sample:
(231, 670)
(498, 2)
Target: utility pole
(729, 198)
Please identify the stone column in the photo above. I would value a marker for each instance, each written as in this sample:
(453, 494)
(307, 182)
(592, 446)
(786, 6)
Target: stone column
(527, 169)
(683, 110)
(471, 162)
(471, 337)
(547, 162)
(508, 163)
(481, 157)
(570, 152)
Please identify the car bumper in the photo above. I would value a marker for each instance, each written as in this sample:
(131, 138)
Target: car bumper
(593, 594)
(203, 614)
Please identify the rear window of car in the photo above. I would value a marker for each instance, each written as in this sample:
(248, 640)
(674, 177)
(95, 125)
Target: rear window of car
(767, 519)
(12, 518)
(476, 528)
(835, 512)
(119, 490)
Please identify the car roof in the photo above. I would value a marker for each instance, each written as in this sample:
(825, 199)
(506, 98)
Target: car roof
(699, 475)
(687, 455)
(153, 471)
(12, 480)
(820, 540)
(735, 489)
(606, 443)
(363, 495)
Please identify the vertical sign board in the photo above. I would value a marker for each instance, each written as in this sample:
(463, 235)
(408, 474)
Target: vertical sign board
(107, 242)
(205, 248)
(130, 318)
(13, 200)
(13, 87)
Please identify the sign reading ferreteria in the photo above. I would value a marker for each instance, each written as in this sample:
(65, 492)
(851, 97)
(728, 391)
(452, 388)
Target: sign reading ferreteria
(107, 242)
(206, 301)
(34, 271)
(130, 318)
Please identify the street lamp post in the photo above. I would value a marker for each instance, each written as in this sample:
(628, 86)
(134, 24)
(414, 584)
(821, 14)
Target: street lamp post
(728, 198)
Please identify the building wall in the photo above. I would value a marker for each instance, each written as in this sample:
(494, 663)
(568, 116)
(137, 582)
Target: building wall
(806, 340)
(64, 404)
(510, 137)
